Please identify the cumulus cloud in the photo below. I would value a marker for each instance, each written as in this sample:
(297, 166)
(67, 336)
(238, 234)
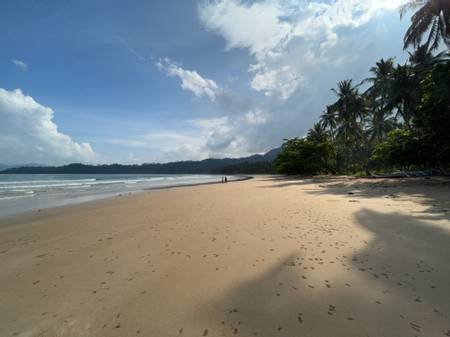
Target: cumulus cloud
(20, 64)
(300, 49)
(282, 82)
(232, 136)
(226, 136)
(223, 137)
(190, 80)
(216, 137)
(29, 134)
(273, 30)
(255, 117)
(264, 34)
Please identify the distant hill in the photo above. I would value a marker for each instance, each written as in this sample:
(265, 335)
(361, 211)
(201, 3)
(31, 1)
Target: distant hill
(9, 166)
(253, 164)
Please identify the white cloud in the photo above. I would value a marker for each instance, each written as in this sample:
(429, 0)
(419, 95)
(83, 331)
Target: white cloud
(230, 136)
(127, 142)
(282, 82)
(221, 137)
(209, 122)
(300, 49)
(217, 137)
(255, 117)
(29, 134)
(20, 64)
(273, 31)
(257, 27)
(190, 80)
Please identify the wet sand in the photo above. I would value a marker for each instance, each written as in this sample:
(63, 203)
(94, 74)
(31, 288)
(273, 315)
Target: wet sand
(264, 257)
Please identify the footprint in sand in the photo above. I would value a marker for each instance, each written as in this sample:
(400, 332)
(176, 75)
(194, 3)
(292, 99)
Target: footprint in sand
(205, 333)
(300, 317)
(414, 326)
(331, 309)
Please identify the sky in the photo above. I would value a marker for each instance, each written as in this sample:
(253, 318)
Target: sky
(162, 80)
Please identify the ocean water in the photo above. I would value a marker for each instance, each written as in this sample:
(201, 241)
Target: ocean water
(26, 192)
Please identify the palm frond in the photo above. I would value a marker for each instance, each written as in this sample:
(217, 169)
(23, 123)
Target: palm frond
(410, 6)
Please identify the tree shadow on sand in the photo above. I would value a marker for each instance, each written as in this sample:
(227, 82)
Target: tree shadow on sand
(399, 287)
(433, 192)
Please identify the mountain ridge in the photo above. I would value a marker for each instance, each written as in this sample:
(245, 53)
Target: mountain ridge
(260, 163)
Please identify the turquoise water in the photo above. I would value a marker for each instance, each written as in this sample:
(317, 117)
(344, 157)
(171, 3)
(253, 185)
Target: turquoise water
(25, 192)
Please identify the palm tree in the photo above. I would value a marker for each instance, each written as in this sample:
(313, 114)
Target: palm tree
(382, 76)
(422, 59)
(378, 99)
(350, 113)
(433, 16)
(404, 92)
(379, 125)
(318, 133)
(328, 120)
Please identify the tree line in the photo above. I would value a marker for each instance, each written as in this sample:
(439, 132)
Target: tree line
(397, 119)
(259, 163)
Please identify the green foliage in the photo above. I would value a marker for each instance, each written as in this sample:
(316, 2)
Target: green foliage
(433, 115)
(400, 150)
(401, 121)
(432, 18)
(313, 154)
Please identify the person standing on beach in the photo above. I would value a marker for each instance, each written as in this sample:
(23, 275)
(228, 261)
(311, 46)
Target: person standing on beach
(226, 180)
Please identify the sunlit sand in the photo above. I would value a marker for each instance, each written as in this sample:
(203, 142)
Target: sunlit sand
(265, 257)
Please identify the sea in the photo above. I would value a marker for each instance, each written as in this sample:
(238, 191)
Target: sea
(26, 192)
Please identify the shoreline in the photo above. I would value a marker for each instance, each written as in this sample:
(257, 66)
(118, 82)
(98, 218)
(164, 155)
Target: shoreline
(273, 256)
(99, 197)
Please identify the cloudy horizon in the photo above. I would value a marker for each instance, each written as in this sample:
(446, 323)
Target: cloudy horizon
(103, 82)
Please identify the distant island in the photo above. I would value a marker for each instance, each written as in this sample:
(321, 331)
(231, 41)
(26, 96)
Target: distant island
(258, 163)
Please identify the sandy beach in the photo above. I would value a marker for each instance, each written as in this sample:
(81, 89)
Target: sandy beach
(264, 257)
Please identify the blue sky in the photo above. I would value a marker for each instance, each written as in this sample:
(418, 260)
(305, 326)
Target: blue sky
(143, 81)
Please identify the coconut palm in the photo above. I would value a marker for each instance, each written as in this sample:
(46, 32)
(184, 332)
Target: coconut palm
(382, 77)
(404, 92)
(432, 16)
(379, 125)
(422, 59)
(349, 111)
(378, 99)
(328, 120)
(318, 133)
(350, 114)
